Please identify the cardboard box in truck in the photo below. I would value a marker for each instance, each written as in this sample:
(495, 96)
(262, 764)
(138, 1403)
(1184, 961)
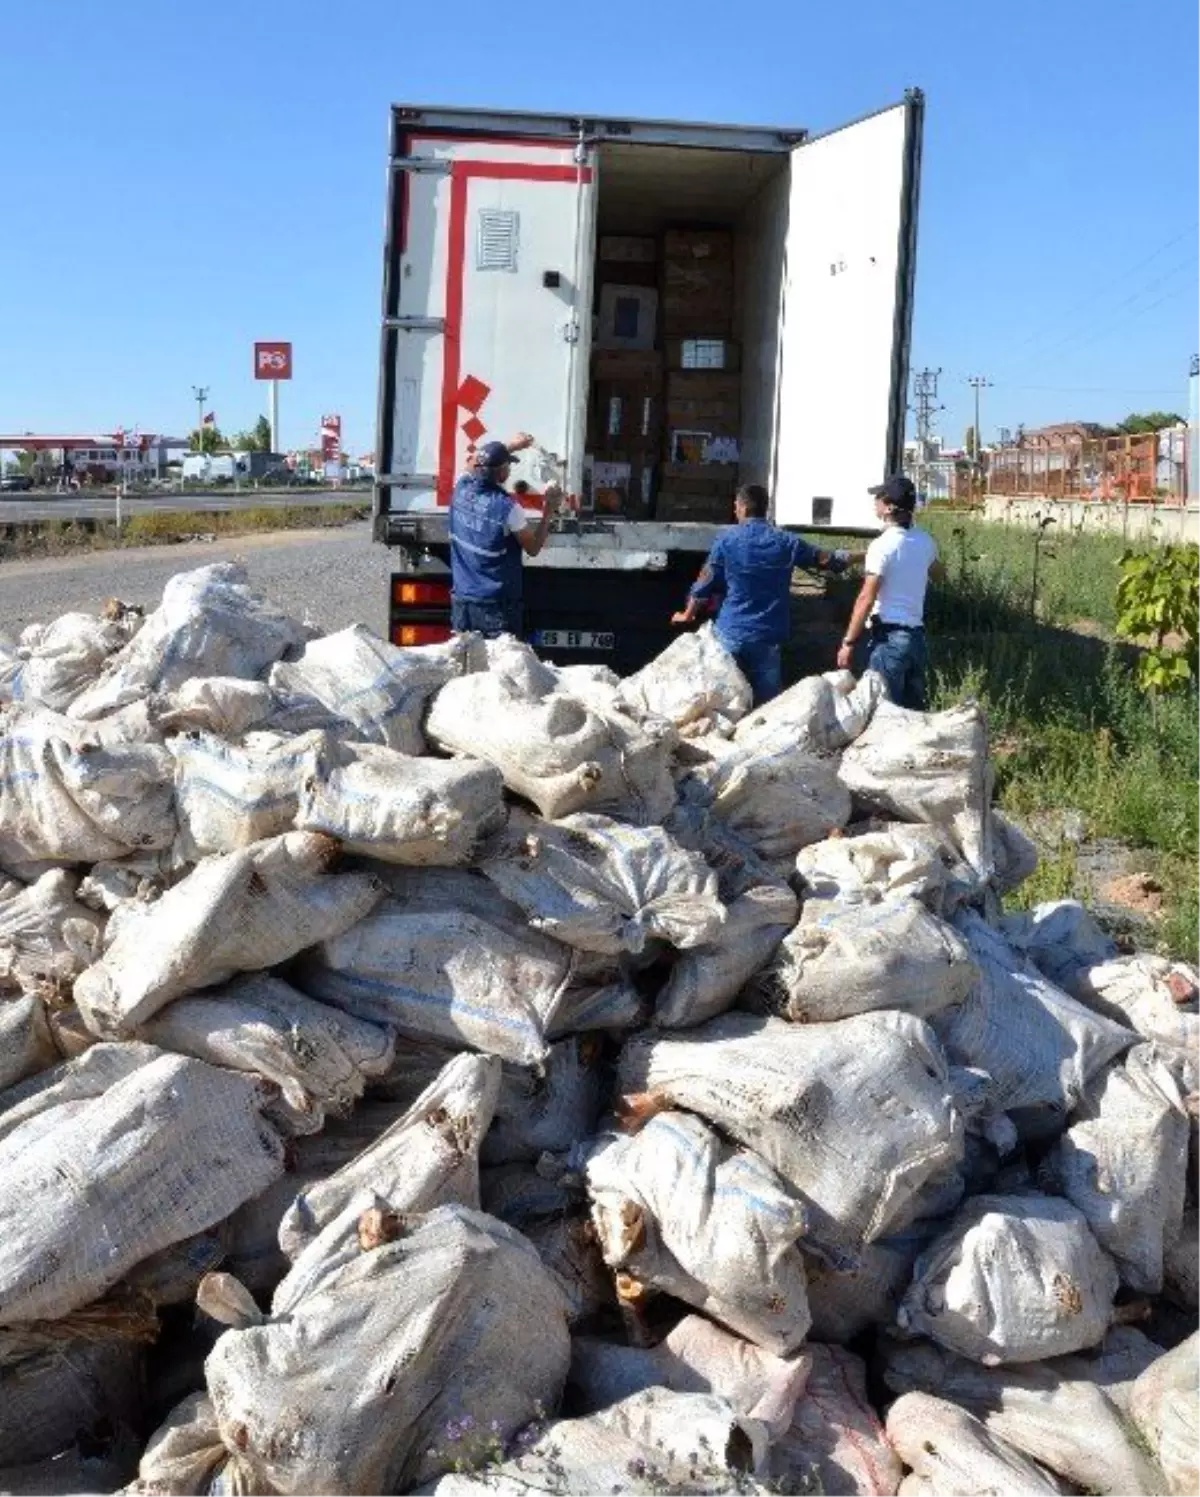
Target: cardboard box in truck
(492, 260)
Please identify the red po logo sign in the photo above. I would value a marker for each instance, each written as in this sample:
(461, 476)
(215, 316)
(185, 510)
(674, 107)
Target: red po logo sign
(272, 361)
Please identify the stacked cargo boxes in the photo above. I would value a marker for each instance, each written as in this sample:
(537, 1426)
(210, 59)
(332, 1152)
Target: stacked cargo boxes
(664, 418)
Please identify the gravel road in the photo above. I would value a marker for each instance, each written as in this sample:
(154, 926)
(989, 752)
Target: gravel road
(332, 577)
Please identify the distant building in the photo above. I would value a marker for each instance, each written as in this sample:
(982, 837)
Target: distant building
(1193, 461)
(102, 458)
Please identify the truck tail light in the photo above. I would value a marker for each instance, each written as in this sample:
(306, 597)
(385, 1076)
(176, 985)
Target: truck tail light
(420, 594)
(420, 634)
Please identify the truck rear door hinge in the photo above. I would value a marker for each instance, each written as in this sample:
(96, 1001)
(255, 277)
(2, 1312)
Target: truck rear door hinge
(570, 330)
(429, 165)
(416, 324)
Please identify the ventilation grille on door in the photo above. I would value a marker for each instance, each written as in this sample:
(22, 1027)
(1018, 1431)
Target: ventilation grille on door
(496, 247)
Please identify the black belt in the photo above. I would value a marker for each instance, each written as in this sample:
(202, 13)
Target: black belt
(879, 627)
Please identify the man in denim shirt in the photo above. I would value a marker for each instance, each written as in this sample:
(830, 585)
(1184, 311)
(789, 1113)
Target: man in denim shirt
(489, 532)
(750, 570)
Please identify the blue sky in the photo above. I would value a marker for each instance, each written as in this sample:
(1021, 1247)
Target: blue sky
(180, 180)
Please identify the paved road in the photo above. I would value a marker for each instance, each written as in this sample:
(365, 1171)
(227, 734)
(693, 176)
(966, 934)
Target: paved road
(23, 508)
(333, 577)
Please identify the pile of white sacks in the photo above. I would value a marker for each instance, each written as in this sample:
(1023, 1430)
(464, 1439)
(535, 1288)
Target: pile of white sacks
(429, 1069)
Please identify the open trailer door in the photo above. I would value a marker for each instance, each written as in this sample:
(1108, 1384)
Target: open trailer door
(487, 298)
(847, 317)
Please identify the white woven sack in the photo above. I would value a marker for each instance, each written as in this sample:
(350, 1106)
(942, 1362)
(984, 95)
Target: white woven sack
(951, 1452)
(1013, 1279)
(165, 1153)
(676, 1209)
(387, 805)
(567, 1248)
(554, 749)
(835, 1442)
(56, 1388)
(46, 936)
(444, 974)
(26, 1043)
(209, 623)
(362, 688)
(894, 955)
(1164, 1404)
(70, 794)
(847, 1300)
(855, 1116)
(1124, 1163)
(1062, 941)
(602, 886)
(232, 795)
(428, 1158)
(319, 1057)
(11, 666)
(706, 981)
(68, 654)
(692, 678)
(804, 715)
(1038, 1044)
(67, 1085)
(184, 1457)
(778, 800)
(1181, 1262)
(1067, 1413)
(696, 1356)
(224, 705)
(389, 1346)
(237, 912)
(1015, 855)
(1151, 994)
(547, 1108)
(931, 768)
(653, 1441)
(895, 860)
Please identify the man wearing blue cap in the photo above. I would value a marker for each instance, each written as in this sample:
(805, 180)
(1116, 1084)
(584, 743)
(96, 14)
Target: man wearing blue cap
(898, 567)
(488, 533)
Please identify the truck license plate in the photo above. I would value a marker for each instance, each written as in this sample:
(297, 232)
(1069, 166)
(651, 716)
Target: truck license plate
(574, 639)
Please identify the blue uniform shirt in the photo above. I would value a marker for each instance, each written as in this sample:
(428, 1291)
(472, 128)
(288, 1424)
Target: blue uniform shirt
(751, 567)
(485, 555)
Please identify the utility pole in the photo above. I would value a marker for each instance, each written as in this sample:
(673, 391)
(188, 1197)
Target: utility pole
(925, 383)
(978, 382)
(200, 394)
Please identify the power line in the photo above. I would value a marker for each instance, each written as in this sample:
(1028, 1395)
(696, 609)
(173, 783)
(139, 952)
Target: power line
(1039, 334)
(1068, 343)
(1124, 322)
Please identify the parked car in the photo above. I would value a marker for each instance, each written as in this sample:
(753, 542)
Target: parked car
(16, 483)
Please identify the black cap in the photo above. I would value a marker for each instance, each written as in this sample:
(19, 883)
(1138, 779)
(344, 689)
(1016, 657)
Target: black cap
(494, 455)
(897, 491)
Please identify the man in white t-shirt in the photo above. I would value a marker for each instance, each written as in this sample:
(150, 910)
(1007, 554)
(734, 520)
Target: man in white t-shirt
(898, 567)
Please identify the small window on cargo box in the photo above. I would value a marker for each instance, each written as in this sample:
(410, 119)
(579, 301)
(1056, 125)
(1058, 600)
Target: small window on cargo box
(703, 353)
(496, 243)
(614, 415)
(822, 511)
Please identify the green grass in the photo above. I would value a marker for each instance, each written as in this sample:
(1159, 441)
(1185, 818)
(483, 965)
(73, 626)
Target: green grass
(59, 537)
(1071, 728)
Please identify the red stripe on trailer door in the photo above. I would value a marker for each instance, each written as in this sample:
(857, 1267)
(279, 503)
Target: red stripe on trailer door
(461, 173)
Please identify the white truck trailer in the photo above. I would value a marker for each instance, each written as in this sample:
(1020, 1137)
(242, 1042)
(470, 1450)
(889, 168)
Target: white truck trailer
(531, 259)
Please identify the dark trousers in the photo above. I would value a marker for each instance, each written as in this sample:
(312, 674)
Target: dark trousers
(762, 666)
(900, 656)
(491, 617)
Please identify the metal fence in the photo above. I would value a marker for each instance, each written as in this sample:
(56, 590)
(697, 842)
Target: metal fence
(1148, 468)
